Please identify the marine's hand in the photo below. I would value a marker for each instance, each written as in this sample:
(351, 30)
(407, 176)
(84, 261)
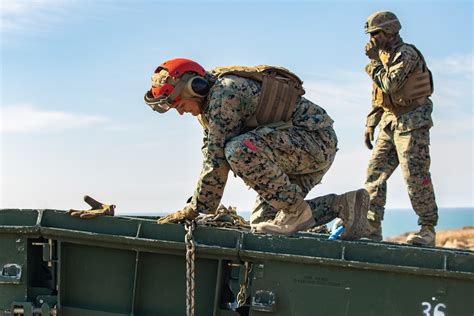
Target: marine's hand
(187, 213)
(97, 209)
(369, 137)
(371, 50)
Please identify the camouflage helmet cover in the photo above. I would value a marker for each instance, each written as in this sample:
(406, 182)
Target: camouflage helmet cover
(383, 21)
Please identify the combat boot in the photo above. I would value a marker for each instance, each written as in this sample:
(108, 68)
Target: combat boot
(374, 230)
(287, 223)
(425, 237)
(352, 208)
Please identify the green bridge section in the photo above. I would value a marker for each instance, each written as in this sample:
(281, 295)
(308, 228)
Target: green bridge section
(54, 264)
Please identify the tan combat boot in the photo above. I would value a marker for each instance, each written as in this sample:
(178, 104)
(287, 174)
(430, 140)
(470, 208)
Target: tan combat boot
(352, 208)
(425, 237)
(287, 223)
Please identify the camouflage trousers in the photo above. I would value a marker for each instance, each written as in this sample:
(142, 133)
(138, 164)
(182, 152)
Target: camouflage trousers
(282, 166)
(410, 150)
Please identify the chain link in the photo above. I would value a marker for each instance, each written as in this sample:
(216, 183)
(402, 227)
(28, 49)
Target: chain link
(189, 226)
(242, 295)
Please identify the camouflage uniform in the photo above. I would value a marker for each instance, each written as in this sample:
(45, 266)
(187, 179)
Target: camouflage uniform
(403, 139)
(282, 162)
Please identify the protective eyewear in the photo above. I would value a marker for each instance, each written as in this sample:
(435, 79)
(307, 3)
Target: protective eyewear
(158, 98)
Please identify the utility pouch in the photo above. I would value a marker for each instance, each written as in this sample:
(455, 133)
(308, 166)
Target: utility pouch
(417, 87)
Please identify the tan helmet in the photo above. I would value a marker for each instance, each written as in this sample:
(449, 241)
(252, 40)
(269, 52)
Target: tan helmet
(383, 21)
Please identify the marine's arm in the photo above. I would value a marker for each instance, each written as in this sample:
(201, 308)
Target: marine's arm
(373, 119)
(224, 122)
(393, 76)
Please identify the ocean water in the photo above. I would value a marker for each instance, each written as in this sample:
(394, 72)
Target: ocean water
(399, 221)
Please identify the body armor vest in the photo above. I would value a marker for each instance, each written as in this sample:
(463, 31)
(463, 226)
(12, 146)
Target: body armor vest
(418, 86)
(280, 91)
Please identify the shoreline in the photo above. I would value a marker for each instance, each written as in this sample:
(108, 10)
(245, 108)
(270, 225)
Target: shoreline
(462, 238)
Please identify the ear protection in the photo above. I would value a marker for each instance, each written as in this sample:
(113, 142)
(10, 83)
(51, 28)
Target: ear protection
(164, 97)
(196, 87)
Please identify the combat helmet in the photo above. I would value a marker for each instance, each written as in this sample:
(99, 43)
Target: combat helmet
(385, 21)
(175, 79)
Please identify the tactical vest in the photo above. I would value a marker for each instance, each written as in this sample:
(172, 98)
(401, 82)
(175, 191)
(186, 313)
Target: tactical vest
(418, 86)
(280, 91)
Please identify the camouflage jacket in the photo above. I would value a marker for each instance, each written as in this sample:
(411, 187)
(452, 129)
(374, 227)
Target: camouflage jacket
(232, 100)
(390, 75)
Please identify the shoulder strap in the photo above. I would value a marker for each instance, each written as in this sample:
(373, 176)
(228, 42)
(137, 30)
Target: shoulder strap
(425, 66)
(419, 54)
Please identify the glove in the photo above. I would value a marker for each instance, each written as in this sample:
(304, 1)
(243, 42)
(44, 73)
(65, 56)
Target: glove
(97, 209)
(224, 217)
(369, 136)
(187, 213)
(371, 50)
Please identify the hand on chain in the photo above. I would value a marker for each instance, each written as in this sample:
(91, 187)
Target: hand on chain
(371, 50)
(97, 209)
(187, 213)
(369, 137)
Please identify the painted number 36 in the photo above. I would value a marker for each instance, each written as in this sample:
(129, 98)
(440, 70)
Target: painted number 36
(438, 310)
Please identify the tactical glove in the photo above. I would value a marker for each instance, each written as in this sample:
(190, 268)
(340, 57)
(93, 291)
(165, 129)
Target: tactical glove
(187, 213)
(97, 209)
(371, 50)
(369, 136)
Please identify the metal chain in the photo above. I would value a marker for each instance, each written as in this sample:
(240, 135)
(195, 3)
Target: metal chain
(189, 226)
(242, 295)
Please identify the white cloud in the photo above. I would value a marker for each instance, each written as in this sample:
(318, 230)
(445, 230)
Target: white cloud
(29, 118)
(453, 65)
(346, 91)
(31, 15)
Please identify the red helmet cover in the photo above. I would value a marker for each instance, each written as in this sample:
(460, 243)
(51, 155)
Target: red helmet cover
(178, 66)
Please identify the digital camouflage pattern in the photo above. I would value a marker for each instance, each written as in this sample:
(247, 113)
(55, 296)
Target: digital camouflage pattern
(410, 151)
(281, 162)
(403, 140)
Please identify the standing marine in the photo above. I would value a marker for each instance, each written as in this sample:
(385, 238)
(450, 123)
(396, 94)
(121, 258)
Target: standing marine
(258, 125)
(401, 108)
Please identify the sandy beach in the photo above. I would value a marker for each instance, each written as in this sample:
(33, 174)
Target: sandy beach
(462, 238)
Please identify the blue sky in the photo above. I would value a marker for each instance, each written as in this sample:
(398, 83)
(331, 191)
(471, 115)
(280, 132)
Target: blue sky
(73, 75)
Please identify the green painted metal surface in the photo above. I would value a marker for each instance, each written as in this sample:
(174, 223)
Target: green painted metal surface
(56, 264)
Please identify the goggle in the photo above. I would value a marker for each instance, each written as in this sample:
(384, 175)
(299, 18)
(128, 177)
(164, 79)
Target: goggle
(166, 96)
(158, 98)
